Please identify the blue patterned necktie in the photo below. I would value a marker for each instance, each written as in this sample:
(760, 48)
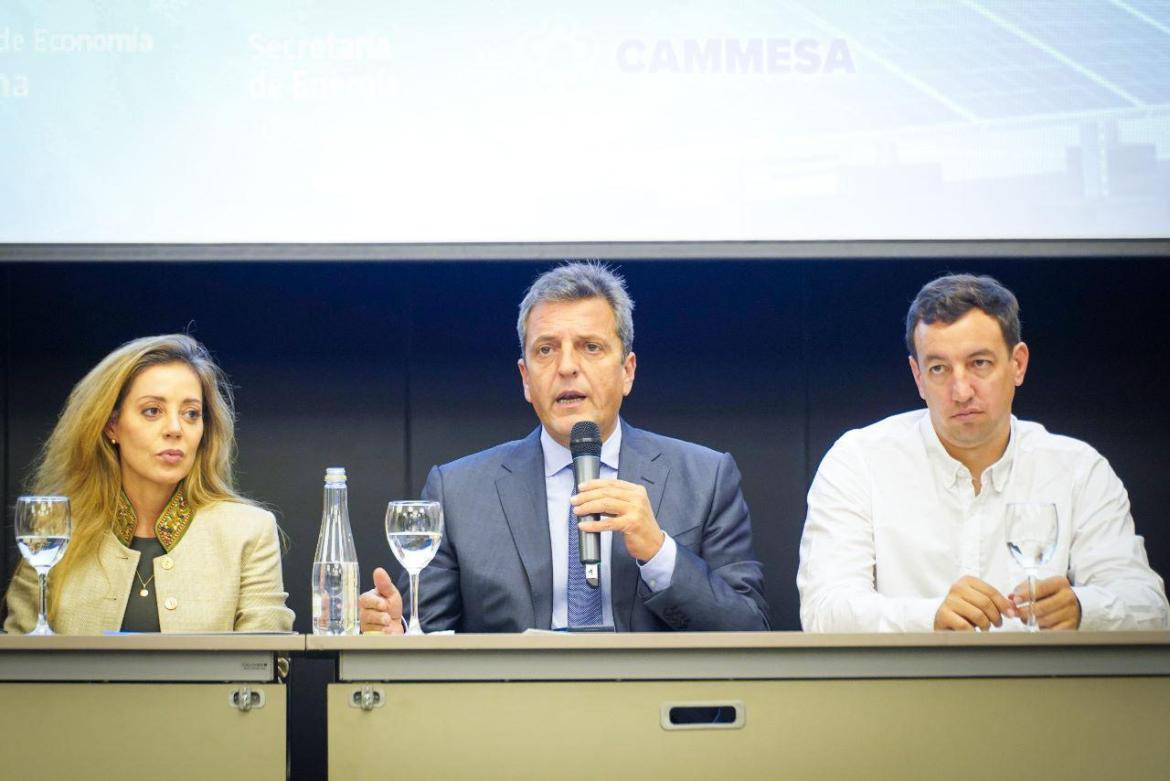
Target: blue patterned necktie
(584, 602)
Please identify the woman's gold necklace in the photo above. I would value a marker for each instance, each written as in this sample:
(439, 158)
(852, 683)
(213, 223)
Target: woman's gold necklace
(144, 592)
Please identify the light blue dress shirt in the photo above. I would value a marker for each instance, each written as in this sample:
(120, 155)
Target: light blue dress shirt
(558, 482)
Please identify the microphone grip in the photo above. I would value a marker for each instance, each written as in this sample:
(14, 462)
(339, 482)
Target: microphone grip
(589, 543)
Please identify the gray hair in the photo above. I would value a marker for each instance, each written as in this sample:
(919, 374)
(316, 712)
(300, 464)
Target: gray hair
(948, 298)
(577, 280)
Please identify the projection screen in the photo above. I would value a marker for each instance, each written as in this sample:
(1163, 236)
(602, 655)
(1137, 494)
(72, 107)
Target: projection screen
(177, 121)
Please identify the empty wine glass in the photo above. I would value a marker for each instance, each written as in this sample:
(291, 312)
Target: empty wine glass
(414, 530)
(1031, 531)
(43, 527)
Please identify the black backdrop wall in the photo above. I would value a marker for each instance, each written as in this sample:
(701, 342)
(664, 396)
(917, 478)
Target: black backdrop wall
(388, 368)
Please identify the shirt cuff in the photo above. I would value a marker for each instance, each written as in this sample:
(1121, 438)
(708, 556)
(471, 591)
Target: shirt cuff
(1095, 609)
(657, 572)
(911, 614)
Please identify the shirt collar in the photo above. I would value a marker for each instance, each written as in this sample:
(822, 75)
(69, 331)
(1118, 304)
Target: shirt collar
(558, 457)
(1001, 470)
(950, 470)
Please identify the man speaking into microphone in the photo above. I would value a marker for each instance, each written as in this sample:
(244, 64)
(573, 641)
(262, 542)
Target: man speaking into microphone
(673, 530)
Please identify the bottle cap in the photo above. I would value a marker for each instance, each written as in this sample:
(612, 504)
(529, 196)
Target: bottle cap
(335, 474)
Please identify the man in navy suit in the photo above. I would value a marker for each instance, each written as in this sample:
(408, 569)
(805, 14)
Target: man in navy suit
(675, 530)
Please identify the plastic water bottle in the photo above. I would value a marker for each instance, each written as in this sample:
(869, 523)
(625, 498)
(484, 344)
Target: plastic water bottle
(335, 565)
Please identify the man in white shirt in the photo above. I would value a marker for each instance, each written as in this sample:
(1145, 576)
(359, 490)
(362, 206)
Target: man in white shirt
(905, 527)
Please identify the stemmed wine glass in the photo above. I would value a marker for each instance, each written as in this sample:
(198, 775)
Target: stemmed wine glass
(43, 528)
(1031, 531)
(414, 530)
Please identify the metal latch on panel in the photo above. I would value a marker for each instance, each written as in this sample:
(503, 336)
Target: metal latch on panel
(246, 698)
(367, 698)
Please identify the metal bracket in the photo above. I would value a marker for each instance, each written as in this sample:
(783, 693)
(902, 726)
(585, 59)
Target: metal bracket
(367, 698)
(246, 698)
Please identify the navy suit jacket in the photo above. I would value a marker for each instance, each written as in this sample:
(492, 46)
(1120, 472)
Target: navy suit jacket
(493, 571)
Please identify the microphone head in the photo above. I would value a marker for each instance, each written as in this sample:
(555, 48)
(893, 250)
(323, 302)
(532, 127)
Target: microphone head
(585, 439)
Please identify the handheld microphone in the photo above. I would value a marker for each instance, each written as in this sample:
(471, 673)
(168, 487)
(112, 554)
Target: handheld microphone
(585, 445)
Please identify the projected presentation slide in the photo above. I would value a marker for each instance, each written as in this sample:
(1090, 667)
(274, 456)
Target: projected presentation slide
(538, 121)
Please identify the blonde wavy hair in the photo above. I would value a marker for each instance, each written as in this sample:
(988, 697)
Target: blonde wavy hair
(79, 461)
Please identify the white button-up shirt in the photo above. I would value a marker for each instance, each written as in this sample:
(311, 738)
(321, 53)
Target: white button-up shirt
(893, 521)
(558, 482)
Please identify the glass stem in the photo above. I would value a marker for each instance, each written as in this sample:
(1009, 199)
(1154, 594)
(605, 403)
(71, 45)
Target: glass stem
(42, 616)
(1032, 627)
(415, 627)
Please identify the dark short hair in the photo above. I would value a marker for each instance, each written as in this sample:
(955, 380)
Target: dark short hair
(948, 298)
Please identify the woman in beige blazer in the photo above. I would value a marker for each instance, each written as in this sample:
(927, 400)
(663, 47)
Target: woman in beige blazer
(161, 540)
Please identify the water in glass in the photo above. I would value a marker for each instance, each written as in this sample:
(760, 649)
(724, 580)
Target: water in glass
(414, 530)
(43, 527)
(1031, 531)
